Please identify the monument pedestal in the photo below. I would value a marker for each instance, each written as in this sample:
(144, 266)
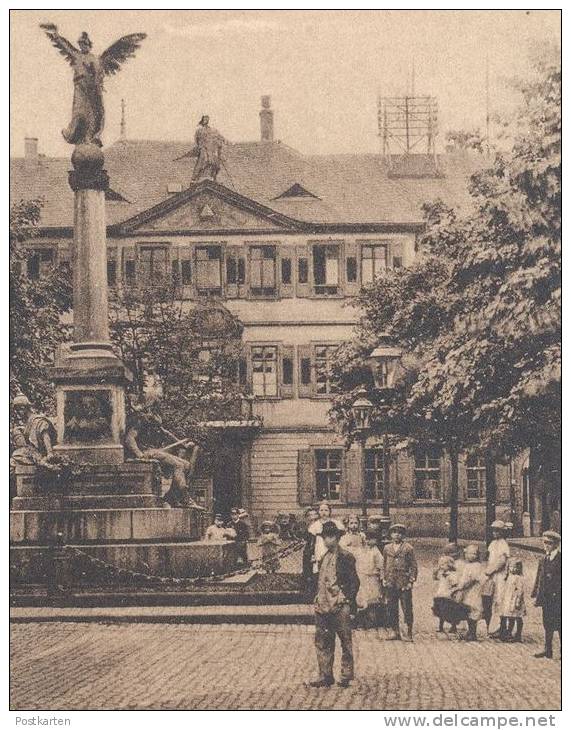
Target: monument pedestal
(110, 512)
(90, 407)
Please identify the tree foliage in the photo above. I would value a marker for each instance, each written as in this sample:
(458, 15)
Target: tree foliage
(36, 310)
(479, 312)
(185, 362)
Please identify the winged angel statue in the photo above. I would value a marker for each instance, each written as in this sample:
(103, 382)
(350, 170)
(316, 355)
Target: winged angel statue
(89, 71)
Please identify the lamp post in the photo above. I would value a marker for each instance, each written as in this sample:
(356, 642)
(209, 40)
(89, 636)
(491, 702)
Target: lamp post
(361, 410)
(384, 361)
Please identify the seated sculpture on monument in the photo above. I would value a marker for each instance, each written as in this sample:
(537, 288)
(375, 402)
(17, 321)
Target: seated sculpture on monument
(144, 439)
(36, 428)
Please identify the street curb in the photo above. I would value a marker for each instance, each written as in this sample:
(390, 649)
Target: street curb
(95, 599)
(172, 616)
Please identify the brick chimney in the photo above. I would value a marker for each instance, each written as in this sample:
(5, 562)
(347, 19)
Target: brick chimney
(31, 150)
(266, 120)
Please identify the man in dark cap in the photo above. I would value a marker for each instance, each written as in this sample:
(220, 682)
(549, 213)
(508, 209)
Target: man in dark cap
(335, 603)
(547, 590)
(399, 574)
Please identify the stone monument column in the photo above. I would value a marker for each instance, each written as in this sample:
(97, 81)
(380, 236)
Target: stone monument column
(89, 181)
(89, 378)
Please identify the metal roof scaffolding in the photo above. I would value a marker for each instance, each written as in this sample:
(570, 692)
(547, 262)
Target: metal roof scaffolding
(407, 124)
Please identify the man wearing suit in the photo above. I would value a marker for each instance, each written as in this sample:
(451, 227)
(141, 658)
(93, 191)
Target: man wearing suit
(400, 573)
(335, 603)
(547, 591)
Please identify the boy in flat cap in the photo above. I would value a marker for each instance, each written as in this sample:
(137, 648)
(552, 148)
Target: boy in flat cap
(400, 572)
(547, 590)
(335, 603)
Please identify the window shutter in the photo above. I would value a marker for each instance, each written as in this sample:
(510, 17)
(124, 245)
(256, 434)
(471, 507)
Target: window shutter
(502, 484)
(186, 271)
(354, 476)
(287, 368)
(352, 269)
(306, 476)
(287, 266)
(64, 259)
(462, 477)
(402, 489)
(232, 257)
(129, 265)
(112, 268)
(395, 254)
(303, 278)
(243, 373)
(304, 371)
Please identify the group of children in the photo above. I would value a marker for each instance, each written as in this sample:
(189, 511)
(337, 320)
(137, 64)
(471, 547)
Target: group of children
(468, 591)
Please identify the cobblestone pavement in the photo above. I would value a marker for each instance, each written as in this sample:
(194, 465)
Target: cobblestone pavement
(61, 666)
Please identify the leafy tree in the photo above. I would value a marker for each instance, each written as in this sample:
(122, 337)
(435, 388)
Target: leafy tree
(186, 362)
(479, 312)
(36, 309)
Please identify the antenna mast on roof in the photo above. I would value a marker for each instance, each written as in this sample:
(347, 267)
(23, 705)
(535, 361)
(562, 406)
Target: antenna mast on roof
(123, 133)
(407, 124)
(487, 105)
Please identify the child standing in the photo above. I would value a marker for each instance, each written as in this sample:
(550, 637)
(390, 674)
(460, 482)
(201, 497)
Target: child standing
(353, 540)
(513, 601)
(370, 572)
(470, 584)
(444, 606)
(269, 543)
(399, 575)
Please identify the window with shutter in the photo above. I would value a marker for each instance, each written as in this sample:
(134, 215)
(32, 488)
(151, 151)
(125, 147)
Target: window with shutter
(306, 477)
(264, 360)
(41, 262)
(374, 259)
(328, 474)
(304, 372)
(326, 258)
(263, 274)
(287, 357)
(208, 270)
(475, 476)
(428, 482)
(153, 264)
(354, 476)
(302, 287)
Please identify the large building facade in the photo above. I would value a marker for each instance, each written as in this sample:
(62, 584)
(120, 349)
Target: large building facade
(283, 241)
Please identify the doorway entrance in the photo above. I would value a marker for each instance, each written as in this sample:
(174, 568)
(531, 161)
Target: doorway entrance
(227, 478)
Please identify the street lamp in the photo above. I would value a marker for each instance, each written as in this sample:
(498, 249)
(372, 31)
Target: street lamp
(361, 410)
(385, 362)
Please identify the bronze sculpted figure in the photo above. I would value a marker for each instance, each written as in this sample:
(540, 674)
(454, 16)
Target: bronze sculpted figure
(89, 71)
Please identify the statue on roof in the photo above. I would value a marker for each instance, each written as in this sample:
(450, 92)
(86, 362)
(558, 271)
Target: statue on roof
(89, 71)
(208, 150)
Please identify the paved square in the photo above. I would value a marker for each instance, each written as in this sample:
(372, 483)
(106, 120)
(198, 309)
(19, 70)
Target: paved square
(63, 666)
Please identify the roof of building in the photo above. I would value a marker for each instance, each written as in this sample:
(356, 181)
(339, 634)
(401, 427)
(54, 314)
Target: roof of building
(339, 189)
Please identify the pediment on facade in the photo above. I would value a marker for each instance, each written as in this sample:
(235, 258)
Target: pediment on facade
(206, 207)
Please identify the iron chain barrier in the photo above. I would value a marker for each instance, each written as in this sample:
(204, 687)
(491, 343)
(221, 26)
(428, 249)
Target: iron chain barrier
(255, 564)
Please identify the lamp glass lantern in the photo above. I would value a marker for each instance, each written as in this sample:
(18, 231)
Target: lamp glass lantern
(384, 361)
(361, 410)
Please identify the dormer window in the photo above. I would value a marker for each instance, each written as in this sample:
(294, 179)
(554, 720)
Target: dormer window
(296, 191)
